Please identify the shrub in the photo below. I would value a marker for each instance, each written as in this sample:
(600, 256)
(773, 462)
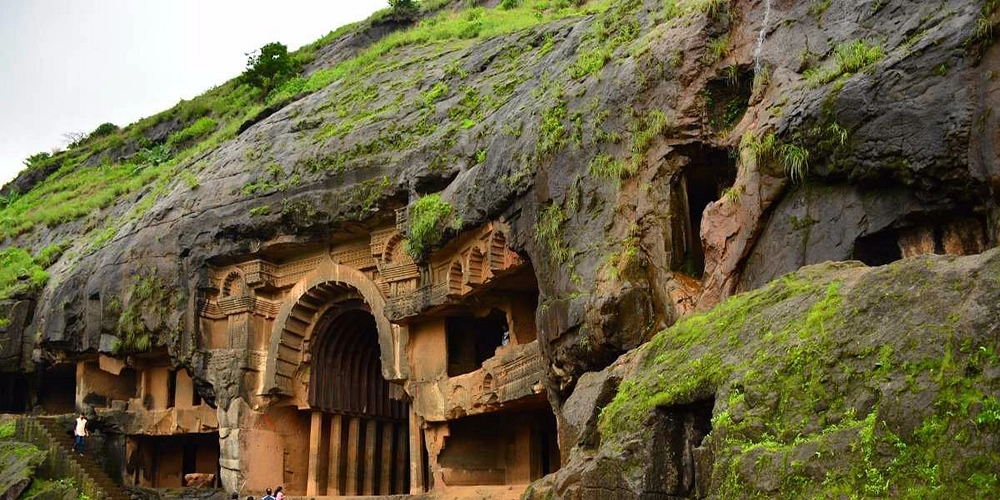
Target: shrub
(269, 67)
(510, 4)
(201, 127)
(850, 57)
(402, 4)
(103, 130)
(435, 94)
(19, 273)
(549, 232)
(37, 160)
(430, 217)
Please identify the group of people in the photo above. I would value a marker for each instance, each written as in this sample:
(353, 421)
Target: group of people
(277, 494)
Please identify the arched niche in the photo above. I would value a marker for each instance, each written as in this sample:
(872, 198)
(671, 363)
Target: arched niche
(475, 266)
(294, 327)
(456, 278)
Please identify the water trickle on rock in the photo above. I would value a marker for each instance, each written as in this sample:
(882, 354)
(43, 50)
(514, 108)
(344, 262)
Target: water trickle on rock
(760, 37)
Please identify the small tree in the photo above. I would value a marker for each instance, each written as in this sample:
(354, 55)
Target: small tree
(269, 67)
(399, 5)
(36, 160)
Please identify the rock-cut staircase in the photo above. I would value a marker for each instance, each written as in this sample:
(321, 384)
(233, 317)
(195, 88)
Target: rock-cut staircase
(51, 435)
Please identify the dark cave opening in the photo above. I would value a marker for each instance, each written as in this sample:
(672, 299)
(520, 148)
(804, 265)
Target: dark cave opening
(680, 461)
(942, 234)
(13, 393)
(708, 175)
(878, 249)
(472, 340)
(57, 389)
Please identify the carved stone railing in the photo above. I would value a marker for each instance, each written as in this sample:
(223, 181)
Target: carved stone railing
(516, 378)
(416, 302)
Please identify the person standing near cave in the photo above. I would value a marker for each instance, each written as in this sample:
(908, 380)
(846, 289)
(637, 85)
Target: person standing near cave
(278, 494)
(268, 495)
(79, 433)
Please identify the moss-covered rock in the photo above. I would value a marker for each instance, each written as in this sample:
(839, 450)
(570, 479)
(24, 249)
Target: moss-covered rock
(18, 462)
(837, 381)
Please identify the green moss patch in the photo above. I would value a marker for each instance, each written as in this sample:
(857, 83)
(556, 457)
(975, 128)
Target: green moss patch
(429, 219)
(834, 384)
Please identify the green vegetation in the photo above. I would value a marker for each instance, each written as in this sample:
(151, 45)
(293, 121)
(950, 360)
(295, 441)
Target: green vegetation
(90, 177)
(146, 297)
(615, 27)
(200, 128)
(718, 48)
(644, 129)
(850, 57)
(22, 274)
(429, 219)
(786, 365)
(983, 36)
(435, 94)
(103, 130)
(549, 232)
(552, 131)
(269, 67)
(8, 429)
(446, 26)
(50, 488)
(766, 150)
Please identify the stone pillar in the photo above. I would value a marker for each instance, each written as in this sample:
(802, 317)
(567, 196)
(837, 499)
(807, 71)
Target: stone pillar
(353, 431)
(370, 430)
(401, 457)
(333, 473)
(315, 441)
(416, 457)
(385, 460)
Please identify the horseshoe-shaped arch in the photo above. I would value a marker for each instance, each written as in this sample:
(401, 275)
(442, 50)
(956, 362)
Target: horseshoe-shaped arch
(293, 328)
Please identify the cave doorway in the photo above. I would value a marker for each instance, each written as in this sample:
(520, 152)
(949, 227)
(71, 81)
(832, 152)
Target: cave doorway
(513, 446)
(165, 461)
(472, 340)
(359, 425)
(57, 389)
(13, 393)
(878, 249)
(708, 175)
(677, 450)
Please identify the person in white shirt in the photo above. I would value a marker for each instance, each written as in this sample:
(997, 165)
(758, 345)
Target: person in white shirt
(79, 434)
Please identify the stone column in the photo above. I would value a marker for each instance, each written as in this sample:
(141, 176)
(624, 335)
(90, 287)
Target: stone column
(385, 460)
(315, 441)
(401, 457)
(353, 431)
(333, 473)
(370, 430)
(416, 457)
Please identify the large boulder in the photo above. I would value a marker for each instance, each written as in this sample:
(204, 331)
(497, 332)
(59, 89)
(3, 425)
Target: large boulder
(837, 380)
(18, 462)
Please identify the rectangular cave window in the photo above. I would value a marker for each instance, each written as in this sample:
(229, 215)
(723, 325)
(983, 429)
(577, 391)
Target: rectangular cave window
(472, 340)
(708, 175)
(171, 388)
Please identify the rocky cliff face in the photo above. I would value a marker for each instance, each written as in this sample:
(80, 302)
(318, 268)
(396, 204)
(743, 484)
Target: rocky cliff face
(837, 381)
(656, 157)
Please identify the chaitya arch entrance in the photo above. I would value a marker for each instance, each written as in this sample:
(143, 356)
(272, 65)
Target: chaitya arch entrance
(359, 437)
